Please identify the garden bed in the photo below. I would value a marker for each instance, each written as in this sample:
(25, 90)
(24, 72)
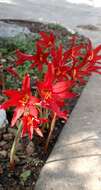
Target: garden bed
(30, 156)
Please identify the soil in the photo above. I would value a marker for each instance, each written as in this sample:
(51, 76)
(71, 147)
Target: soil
(30, 156)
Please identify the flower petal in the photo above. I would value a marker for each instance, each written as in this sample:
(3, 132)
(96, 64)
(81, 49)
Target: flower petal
(9, 103)
(62, 86)
(26, 84)
(17, 114)
(12, 93)
(22, 57)
(38, 131)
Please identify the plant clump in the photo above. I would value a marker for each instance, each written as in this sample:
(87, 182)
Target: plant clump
(46, 81)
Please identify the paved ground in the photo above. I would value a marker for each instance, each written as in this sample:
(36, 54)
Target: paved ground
(74, 16)
(75, 162)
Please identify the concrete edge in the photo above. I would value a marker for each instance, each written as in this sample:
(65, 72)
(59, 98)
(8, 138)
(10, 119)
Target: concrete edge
(75, 162)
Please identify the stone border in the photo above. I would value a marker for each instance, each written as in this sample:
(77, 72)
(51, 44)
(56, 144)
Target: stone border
(75, 162)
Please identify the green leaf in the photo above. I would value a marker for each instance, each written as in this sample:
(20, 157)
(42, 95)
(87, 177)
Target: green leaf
(24, 176)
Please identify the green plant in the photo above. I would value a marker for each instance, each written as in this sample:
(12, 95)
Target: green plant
(54, 75)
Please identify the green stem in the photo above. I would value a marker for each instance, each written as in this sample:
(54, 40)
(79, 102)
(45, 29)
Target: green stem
(51, 130)
(45, 125)
(13, 149)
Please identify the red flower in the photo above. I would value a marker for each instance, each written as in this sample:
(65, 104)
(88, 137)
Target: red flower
(12, 71)
(40, 58)
(59, 62)
(31, 124)
(90, 62)
(53, 95)
(22, 100)
(22, 57)
(47, 40)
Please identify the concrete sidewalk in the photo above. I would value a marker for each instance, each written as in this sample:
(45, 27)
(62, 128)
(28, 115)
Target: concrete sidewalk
(75, 162)
(79, 17)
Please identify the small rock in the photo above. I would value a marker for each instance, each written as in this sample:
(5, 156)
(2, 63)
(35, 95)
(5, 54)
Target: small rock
(63, 121)
(1, 187)
(8, 136)
(2, 144)
(27, 188)
(0, 137)
(3, 60)
(1, 170)
(3, 129)
(1, 96)
(3, 121)
(3, 118)
(19, 147)
(12, 30)
(30, 148)
(12, 130)
(3, 154)
(17, 160)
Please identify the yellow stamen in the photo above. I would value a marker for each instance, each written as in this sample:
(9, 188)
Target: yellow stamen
(24, 99)
(91, 56)
(30, 120)
(47, 94)
(41, 58)
(74, 74)
(58, 72)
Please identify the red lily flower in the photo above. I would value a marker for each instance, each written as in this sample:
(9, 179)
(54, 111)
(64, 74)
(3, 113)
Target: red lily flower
(31, 124)
(22, 100)
(53, 95)
(12, 71)
(89, 64)
(40, 58)
(47, 40)
(37, 60)
(22, 57)
(59, 62)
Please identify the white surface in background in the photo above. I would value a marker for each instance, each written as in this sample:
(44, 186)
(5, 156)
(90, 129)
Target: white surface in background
(7, 1)
(94, 3)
